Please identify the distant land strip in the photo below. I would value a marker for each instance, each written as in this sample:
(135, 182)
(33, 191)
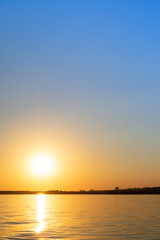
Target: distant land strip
(146, 190)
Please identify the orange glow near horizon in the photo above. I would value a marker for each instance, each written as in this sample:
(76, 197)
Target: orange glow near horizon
(75, 163)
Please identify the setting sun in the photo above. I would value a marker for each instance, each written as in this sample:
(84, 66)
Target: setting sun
(41, 164)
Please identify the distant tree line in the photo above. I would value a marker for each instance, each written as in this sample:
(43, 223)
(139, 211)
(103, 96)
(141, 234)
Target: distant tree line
(146, 190)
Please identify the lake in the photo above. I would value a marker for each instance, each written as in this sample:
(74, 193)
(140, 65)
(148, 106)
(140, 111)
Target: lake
(80, 217)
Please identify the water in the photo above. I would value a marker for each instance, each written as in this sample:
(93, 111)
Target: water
(80, 217)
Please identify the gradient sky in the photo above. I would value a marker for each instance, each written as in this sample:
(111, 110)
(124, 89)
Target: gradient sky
(80, 80)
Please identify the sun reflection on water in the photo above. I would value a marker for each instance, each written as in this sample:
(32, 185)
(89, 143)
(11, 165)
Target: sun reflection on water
(40, 213)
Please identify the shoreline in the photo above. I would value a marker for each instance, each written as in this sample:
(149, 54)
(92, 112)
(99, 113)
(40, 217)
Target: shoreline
(129, 191)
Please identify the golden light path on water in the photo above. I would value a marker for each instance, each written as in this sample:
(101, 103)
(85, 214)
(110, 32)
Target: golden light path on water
(40, 212)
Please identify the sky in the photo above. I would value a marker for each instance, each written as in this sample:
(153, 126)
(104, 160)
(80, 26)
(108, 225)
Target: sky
(80, 80)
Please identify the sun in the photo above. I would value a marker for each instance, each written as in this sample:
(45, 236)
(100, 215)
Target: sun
(41, 164)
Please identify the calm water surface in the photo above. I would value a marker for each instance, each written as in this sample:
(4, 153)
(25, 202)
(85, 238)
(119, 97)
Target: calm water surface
(79, 217)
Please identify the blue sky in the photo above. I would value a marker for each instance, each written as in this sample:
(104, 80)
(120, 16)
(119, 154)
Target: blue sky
(88, 67)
